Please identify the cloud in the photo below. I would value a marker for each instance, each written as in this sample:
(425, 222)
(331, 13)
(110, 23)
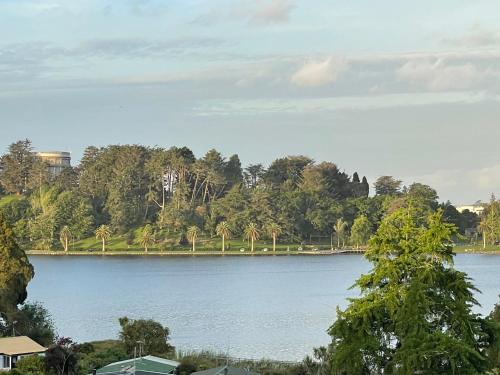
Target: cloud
(438, 75)
(475, 37)
(268, 12)
(319, 73)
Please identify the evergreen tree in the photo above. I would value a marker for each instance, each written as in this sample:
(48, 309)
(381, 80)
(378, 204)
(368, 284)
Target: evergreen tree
(415, 313)
(15, 270)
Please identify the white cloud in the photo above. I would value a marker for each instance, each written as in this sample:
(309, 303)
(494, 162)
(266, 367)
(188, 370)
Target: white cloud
(319, 73)
(266, 12)
(475, 37)
(438, 75)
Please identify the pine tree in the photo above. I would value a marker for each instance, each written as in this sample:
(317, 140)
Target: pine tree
(415, 312)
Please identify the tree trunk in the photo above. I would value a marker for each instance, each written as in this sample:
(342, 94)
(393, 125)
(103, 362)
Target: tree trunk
(194, 245)
(274, 243)
(338, 241)
(103, 245)
(252, 244)
(484, 240)
(66, 243)
(223, 246)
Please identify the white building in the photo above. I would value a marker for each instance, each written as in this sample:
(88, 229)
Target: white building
(13, 349)
(476, 208)
(57, 161)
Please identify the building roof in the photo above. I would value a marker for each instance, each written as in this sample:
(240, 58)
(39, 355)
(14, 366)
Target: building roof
(19, 345)
(144, 365)
(225, 370)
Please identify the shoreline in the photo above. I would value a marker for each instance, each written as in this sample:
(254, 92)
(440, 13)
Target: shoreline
(215, 253)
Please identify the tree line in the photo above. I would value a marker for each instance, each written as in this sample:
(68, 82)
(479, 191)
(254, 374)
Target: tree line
(174, 196)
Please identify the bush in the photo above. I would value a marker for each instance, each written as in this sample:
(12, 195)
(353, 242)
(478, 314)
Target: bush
(31, 365)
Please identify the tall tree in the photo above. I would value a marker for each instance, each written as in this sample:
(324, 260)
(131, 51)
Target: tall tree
(18, 165)
(15, 270)
(192, 235)
(147, 237)
(274, 231)
(360, 231)
(414, 315)
(103, 233)
(223, 231)
(64, 237)
(387, 185)
(149, 336)
(252, 234)
(340, 228)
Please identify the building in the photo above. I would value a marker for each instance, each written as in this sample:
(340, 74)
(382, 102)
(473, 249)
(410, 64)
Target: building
(148, 365)
(225, 370)
(13, 349)
(57, 161)
(476, 208)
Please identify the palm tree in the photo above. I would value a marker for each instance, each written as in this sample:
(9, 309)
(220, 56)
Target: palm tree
(252, 233)
(339, 228)
(484, 228)
(192, 234)
(274, 231)
(222, 230)
(147, 237)
(64, 237)
(103, 233)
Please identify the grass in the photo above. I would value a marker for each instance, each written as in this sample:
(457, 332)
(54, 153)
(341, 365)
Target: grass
(475, 248)
(8, 199)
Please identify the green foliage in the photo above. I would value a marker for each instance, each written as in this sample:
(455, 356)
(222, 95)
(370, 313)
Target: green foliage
(415, 312)
(34, 321)
(31, 365)
(152, 335)
(15, 270)
(361, 231)
(387, 185)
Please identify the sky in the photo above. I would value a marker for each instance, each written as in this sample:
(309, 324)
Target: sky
(408, 89)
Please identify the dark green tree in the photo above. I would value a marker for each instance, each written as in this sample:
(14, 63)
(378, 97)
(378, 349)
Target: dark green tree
(387, 185)
(415, 312)
(18, 165)
(152, 336)
(15, 270)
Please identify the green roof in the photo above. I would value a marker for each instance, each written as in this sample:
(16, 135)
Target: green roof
(144, 365)
(225, 370)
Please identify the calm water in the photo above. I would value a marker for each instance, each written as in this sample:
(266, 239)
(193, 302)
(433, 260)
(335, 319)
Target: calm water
(251, 307)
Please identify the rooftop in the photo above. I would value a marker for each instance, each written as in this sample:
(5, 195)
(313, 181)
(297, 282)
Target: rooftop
(19, 345)
(148, 364)
(225, 370)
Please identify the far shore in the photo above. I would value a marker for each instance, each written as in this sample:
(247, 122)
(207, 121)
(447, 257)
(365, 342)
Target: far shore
(226, 253)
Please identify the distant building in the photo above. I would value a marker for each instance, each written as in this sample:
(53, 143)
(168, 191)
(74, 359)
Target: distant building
(148, 365)
(13, 349)
(56, 160)
(476, 208)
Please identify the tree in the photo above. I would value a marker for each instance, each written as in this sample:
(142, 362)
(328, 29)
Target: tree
(252, 234)
(148, 336)
(31, 365)
(34, 321)
(387, 185)
(223, 231)
(414, 315)
(340, 228)
(192, 235)
(64, 237)
(61, 358)
(15, 270)
(103, 233)
(147, 237)
(360, 231)
(274, 231)
(18, 166)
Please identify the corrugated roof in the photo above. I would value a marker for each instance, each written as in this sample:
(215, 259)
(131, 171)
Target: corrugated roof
(222, 371)
(19, 345)
(149, 364)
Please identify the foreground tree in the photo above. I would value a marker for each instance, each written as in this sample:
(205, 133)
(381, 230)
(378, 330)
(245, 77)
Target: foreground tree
(192, 235)
(415, 313)
(15, 270)
(252, 234)
(103, 233)
(274, 231)
(223, 231)
(147, 335)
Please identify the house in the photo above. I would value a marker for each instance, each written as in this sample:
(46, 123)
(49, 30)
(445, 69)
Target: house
(225, 370)
(148, 365)
(14, 348)
(56, 161)
(476, 208)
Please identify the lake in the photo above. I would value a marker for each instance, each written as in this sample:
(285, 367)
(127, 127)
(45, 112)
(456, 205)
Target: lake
(250, 307)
